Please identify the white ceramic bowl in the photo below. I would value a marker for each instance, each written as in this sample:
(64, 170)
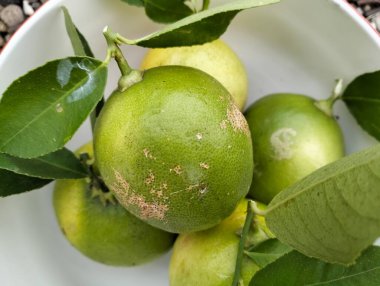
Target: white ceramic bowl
(297, 46)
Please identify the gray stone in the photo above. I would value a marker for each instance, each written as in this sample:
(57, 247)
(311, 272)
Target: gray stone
(3, 27)
(12, 15)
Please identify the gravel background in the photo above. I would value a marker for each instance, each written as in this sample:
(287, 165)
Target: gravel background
(14, 12)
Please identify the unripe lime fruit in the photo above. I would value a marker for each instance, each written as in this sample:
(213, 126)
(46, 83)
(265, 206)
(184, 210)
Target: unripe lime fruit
(103, 230)
(175, 149)
(292, 137)
(215, 58)
(207, 258)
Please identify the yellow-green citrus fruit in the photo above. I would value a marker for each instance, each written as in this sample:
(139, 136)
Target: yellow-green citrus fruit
(215, 58)
(292, 137)
(106, 233)
(207, 258)
(175, 149)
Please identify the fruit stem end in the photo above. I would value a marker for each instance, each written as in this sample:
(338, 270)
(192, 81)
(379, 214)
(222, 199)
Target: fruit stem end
(129, 76)
(326, 105)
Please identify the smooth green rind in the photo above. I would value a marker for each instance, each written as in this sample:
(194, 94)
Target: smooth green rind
(199, 28)
(13, 184)
(362, 97)
(139, 3)
(267, 252)
(208, 257)
(182, 161)
(107, 234)
(291, 138)
(41, 111)
(336, 207)
(167, 11)
(61, 164)
(295, 269)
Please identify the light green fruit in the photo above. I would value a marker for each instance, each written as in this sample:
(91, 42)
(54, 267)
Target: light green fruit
(175, 150)
(292, 137)
(207, 258)
(105, 231)
(215, 58)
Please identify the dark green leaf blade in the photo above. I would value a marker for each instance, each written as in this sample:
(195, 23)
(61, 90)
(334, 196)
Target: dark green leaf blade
(41, 111)
(139, 3)
(333, 214)
(78, 41)
(12, 183)
(295, 269)
(362, 97)
(267, 252)
(167, 11)
(61, 164)
(72, 31)
(198, 28)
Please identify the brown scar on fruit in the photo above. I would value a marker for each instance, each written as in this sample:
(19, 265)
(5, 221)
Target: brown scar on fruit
(150, 179)
(126, 196)
(223, 124)
(152, 210)
(237, 119)
(204, 166)
(148, 154)
(177, 169)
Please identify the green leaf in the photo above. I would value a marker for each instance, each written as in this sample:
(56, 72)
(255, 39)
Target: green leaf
(167, 11)
(334, 213)
(134, 2)
(198, 28)
(362, 97)
(78, 41)
(61, 164)
(41, 111)
(267, 252)
(295, 269)
(12, 183)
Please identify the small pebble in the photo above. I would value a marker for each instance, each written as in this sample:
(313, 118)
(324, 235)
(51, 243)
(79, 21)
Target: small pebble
(28, 10)
(12, 15)
(9, 2)
(3, 27)
(35, 5)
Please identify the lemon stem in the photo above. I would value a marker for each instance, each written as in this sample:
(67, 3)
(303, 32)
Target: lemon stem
(326, 105)
(206, 4)
(129, 76)
(243, 238)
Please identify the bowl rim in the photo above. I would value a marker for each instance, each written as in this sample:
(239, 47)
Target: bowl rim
(346, 7)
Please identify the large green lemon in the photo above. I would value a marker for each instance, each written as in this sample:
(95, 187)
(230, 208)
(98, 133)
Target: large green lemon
(292, 137)
(105, 231)
(207, 258)
(215, 58)
(175, 149)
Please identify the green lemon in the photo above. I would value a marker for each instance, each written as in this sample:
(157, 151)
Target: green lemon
(175, 150)
(103, 230)
(215, 58)
(207, 258)
(292, 137)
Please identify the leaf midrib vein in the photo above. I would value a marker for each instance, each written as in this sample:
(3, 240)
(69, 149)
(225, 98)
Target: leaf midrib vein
(48, 108)
(312, 187)
(345, 277)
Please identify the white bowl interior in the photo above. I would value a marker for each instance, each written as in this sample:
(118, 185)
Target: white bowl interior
(297, 46)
